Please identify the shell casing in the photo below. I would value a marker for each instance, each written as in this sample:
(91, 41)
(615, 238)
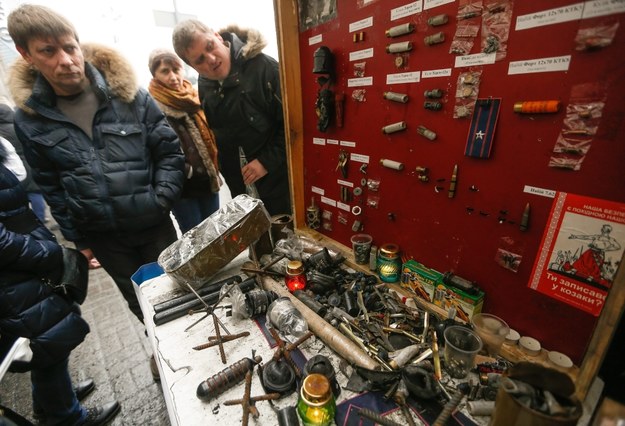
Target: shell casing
(396, 97)
(434, 93)
(400, 30)
(432, 106)
(437, 20)
(434, 38)
(391, 164)
(403, 46)
(395, 127)
(426, 133)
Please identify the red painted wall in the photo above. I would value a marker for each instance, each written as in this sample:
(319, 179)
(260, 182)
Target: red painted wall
(430, 227)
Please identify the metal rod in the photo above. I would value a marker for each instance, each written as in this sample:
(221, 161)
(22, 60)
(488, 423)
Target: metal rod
(204, 291)
(195, 305)
(266, 397)
(210, 309)
(213, 341)
(406, 412)
(220, 342)
(246, 398)
(273, 262)
(448, 409)
(371, 415)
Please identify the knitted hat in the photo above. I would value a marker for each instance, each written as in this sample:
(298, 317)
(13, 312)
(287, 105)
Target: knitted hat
(158, 56)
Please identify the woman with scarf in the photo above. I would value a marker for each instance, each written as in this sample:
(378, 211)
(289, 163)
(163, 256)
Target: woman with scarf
(180, 103)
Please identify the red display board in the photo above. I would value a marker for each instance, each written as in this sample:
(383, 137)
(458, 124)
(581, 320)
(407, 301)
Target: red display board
(563, 51)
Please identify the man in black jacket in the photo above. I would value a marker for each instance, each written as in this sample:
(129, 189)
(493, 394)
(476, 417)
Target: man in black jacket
(109, 165)
(239, 88)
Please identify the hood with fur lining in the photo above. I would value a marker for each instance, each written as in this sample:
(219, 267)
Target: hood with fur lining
(254, 41)
(116, 70)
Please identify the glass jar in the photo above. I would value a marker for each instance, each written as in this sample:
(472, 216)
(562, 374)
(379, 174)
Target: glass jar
(316, 405)
(389, 263)
(295, 278)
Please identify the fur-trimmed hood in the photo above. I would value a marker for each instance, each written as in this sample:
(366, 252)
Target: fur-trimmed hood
(116, 70)
(171, 112)
(254, 41)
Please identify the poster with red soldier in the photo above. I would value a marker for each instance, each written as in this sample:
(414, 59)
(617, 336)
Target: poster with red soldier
(581, 250)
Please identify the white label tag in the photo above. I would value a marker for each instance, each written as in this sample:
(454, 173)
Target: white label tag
(429, 4)
(404, 77)
(406, 10)
(345, 183)
(349, 144)
(549, 193)
(319, 141)
(343, 206)
(444, 72)
(333, 142)
(476, 59)
(362, 24)
(317, 190)
(359, 158)
(529, 66)
(357, 82)
(558, 15)
(361, 54)
(592, 9)
(315, 39)
(328, 201)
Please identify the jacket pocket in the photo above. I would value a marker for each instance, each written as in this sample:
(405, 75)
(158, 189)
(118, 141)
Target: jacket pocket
(254, 116)
(52, 138)
(122, 142)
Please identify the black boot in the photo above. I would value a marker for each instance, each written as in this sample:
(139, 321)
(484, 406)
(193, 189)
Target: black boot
(102, 415)
(84, 388)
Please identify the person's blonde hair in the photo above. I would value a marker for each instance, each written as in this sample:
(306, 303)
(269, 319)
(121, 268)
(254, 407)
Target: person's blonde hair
(184, 34)
(31, 21)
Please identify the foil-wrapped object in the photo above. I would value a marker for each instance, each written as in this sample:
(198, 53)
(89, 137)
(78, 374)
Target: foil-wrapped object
(202, 251)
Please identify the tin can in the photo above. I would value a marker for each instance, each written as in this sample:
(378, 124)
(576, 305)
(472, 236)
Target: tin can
(389, 263)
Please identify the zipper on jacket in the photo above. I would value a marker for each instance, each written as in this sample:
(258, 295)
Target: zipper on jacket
(273, 92)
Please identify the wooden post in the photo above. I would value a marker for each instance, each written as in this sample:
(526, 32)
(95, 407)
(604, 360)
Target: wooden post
(286, 13)
(602, 336)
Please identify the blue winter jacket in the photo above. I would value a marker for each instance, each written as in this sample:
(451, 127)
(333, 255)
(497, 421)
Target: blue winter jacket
(28, 306)
(122, 180)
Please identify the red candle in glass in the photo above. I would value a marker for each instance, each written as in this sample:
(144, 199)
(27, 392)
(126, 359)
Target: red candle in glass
(295, 278)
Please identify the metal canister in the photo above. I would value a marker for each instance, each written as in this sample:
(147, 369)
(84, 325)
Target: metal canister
(389, 263)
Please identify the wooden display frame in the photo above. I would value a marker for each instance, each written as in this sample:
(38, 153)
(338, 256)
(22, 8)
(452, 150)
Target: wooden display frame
(286, 16)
